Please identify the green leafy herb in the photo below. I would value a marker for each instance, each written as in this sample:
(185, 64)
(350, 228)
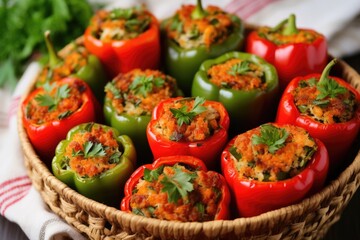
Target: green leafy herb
(144, 84)
(176, 24)
(233, 152)
(110, 87)
(201, 208)
(240, 68)
(184, 116)
(46, 100)
(152, 175)
(91, 149)
(178, 185)
(329, 88)
(124, 13)
(64, 114)
(115, 158)
(138, 212)
(194, 33)
(321, 103)
(271, 136)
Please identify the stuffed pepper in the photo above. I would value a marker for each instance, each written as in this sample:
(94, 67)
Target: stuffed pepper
(124, 39)
(130, 99)
(327, 107)
(95, 160)
(177, 188)
(294, 52)
(77, 62)
(273, 166)
(195, 34)
(189, 126)
(245, 84)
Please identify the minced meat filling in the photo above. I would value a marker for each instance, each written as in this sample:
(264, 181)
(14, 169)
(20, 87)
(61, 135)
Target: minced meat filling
(329, 109)
(72, 63)
(91, 153)
(151, 199)
(55, 102)
(303, 36)
(119, 24)
(272, 153)
(139, 91)
(202, 126)
(214, 28)
(237, 74)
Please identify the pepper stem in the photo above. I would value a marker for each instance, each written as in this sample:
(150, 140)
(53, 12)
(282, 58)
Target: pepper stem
(326, 71)
(54, 59)
(290, 27)
(199, 11)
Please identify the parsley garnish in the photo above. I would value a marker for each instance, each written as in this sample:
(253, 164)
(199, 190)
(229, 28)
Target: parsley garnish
(176, 24)
(184, 116)
(46, 100)
(329, 88)
(144, 84)
(271, 136)
(152, 175)
(239, 68)
(115, 158)
(126, 13)
(178, 185)
(110, 87)
(233, 152)
(91, 149)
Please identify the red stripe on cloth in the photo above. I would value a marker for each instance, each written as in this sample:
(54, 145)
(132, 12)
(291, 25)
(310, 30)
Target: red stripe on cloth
(27, 184)
(15, 200)
(7, 182)
(257, 6)
(14, 106)
(234, 5)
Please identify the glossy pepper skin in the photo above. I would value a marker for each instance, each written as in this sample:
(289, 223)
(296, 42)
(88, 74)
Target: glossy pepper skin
(337, 137)
(122, 56)
(247, 109)
(192, 162)
(45, 137)
(291, 59)
(105, 187)
(92, 73)
(254, 197)
(207, 150)
(182, 64)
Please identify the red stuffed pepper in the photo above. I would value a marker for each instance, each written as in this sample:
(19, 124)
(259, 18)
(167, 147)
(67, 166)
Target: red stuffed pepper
(124, 39)
(327, 107)
(177, 188)
(273, 166)
(294, 52)
(189, 126)
(50, 111)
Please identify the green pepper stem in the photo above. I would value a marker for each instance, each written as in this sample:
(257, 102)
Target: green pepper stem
(199, 11)
(54, 59)
(290, 28)
(326, 71)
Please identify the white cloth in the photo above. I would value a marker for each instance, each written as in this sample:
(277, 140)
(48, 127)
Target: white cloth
(21, 203)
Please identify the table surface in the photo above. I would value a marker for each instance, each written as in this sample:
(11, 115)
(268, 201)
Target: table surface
(348, 227)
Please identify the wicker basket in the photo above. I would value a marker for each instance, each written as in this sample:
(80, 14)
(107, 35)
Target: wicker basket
(309, 219)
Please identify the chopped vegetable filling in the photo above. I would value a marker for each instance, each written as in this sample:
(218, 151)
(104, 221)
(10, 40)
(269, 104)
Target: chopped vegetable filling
(302, 36)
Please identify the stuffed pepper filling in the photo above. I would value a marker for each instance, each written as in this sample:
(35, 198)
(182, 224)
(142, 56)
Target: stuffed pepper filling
(55, 102)
(213, 28)
(177, 193)
(237, 74)
(324, 101)
(75, 59)
(272, 153)
(278, 38)
(137, 92)
(92, 151)
(119, 24)
(188, 120)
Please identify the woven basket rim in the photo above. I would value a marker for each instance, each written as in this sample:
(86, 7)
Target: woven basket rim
(124, 219)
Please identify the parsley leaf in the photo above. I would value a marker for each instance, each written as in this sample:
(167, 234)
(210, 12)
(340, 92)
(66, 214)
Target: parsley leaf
(144, 84)
(329, 88)
(184, 116)
(91, 149)
(47, 100)
(110, 87)
(178, 185)
(240, 68)
(152, 175)
(271, 136)
(124, 13)
(176, 24)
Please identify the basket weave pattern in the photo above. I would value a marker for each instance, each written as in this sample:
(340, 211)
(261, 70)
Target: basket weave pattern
(309, 219)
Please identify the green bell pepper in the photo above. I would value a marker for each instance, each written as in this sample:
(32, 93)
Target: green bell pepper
(68, 65)
(104, 186)
(182, 64)
(247, 108)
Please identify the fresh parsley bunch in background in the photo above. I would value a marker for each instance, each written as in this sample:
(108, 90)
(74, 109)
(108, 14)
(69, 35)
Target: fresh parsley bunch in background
(23, 23)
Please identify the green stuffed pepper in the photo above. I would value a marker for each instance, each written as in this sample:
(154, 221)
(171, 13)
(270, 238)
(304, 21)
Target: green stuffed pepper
(95, 160)
(75, 61)
(244, 83)
(129, 101)
(194, 35)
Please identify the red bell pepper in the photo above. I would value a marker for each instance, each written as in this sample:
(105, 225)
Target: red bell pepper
(208, 149)
(338, 136)
(291, 58)
(255, 197)
(121, 56)
(192, 163)
(56, 103)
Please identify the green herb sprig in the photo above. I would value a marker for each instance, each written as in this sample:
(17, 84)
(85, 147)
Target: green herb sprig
(144, 84)
(47, 100)
(184, 116)
(91, 149)
(271, 136)
(240, 68)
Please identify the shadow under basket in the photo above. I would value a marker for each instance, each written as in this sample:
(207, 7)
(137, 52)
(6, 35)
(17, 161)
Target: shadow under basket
(309, 219)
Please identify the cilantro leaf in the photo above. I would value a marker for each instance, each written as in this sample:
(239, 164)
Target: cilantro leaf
(184, 116)
(271, 136)
(240, 68)
(144, 84)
